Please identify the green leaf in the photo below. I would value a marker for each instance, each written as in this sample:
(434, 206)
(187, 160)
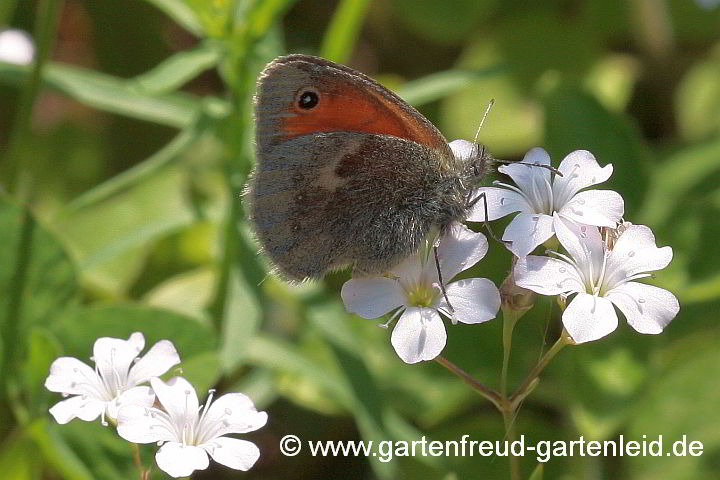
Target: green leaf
(344, 29)
(681, 403)
(180, 13)
(537, 474)
(576, 120)
(110, 94)
(56, 452)
(177, 70)
(43, 350)
(110, 234)
(36, 276)
(241, 319)
(18, 459)
(444, 23)
(78, 329)
(439, 85)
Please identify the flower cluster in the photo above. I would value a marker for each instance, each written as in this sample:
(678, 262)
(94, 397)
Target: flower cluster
(604, 257)
(167, 413)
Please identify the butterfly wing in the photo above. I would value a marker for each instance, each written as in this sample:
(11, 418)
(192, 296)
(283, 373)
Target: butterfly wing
(349, 181)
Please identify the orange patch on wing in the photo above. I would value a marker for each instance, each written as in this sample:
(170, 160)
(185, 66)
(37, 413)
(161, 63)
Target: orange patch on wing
(359, 110)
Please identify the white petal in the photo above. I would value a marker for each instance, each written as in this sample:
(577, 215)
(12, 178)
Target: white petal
(419, 335)
(139, 424)
(603, 208)
(525, 176)
(77, 407)
(142, 396)
(463, 150)
(178, 460)
(583, 243)
(500, 202)
(589, 318)
(459, 249)
(526, 231)
(178, 398)
(648, 309)
(233, 452)
(410, 268)
(70, 375)
(232, 413)
(579, 170)
(475, 300)
(114, 356)
(16, 46)
(372, 297)
(547, 276)
(635, 252)
(154, 363)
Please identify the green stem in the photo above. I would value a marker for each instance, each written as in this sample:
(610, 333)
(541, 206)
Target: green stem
(509, 322)
(509, 421)
(531, 380)
(479, 387)
(46, 21)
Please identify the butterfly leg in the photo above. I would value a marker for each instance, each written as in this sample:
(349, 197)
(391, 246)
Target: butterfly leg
(472, 202)
(440, 279)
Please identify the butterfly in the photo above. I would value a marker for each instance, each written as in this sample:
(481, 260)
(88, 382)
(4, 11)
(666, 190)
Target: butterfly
(348, 173)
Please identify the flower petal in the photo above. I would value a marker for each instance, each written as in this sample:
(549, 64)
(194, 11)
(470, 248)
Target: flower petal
(464, 150)
(583, 242)
(589, 318)
(154, 363)
(411, 267)
(579, 170)
(526, 231)
(142, 396)
(231, 413)
(178, 398)
(459, 249)
(419, 335)
(475, 300)
(635, 252)
(500, 202)
(372, 297)
(139, 424)
(178, 460)
(648, 309)
(70, 375)
(114, 356)
(547, 276)
(86, 409)
(527, 177)
(233, 452)
(603, 208)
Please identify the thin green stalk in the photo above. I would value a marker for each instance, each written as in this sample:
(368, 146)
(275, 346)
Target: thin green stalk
(531, 380)
(46, 24)
(15, 297)
(509, 322)
(509, 421)
(479, 387)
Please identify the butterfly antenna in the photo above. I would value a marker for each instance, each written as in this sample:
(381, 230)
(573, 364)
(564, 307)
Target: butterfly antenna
(548, 167)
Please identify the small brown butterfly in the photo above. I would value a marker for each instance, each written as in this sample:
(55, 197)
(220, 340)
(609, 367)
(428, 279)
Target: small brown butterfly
(348, 173)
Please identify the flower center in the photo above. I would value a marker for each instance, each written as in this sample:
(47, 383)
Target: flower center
(421, 294)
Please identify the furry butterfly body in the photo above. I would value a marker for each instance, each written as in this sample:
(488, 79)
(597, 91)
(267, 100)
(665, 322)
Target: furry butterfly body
(348, 173)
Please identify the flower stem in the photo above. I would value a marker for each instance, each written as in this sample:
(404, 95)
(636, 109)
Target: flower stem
(509, 322)
(509, 421)
(144, 473)
(531, 380)
(481, 388)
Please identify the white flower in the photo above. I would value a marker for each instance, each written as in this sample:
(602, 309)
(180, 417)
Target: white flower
(16, 47)
(188, 434)
(413, 288)
(113, 382)
(538, 196)
(601, 278)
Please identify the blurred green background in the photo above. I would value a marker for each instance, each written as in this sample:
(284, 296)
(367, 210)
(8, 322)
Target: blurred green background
(125, 149)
